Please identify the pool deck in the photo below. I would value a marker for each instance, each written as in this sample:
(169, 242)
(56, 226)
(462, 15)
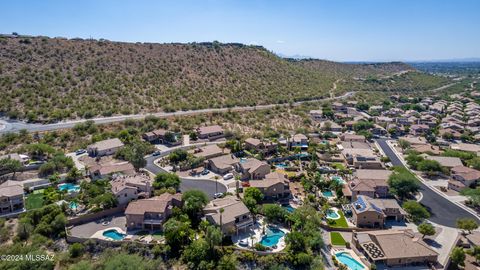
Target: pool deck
(256, 233)
(351, 253)
(99, 234)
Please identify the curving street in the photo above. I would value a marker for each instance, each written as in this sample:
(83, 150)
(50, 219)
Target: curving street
(7, 126)
(443, 211)
(210, 187)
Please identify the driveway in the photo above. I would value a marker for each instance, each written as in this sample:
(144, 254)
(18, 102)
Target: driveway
(210, 187)
(443, 211)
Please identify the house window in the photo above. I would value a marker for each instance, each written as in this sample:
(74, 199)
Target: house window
(237, 220)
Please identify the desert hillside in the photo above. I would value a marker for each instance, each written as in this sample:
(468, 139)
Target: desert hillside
(50, 79)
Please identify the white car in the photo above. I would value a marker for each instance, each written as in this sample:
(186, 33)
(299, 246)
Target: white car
(228, 176)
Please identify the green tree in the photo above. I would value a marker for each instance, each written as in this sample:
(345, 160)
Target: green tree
(193, 202)
(426, 229)
(227, 262)
(429, 166)
(416, 211)
(458, 257)
(213, 236)
(10, 166)
(254, 193)
(274, 212)
(403, 184)
(473, 195)
(177, 232)
(296, 242)
(177, 156)
(75, 250)
(196, 253)
(467, 224)
(166, 180)
(403, 144)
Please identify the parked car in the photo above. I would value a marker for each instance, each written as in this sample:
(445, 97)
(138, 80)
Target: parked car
(205, 172)
(80, 151)
(217, 195)
(156, 153)
(228, 176)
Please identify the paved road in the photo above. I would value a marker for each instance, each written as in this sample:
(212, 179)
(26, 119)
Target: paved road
(15, 126)
(444, 212)
(208, 186)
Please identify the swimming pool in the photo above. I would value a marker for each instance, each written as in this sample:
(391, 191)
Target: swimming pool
(69, 187)
(333, 214)
(288, 207)
(349, 261)
(281, 165)
(338, 179)
(272, 237)
(113, 234)
(73, 205)
(327, 194)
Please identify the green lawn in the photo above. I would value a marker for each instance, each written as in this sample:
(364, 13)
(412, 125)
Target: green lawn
(34, 201)
(338, 223)
(337, 239)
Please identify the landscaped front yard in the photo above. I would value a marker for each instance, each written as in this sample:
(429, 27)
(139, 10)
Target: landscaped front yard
(337, 239)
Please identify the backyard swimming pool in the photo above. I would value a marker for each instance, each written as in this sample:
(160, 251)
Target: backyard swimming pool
(73, 205)
(349, 261)
(327, 194)
(113, 234)
(281, 165)
(333, 214)
(272, 237)
(288, 207)
(338, 179)
(69, 187)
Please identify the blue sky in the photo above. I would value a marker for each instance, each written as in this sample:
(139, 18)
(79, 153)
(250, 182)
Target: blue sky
(355, 30)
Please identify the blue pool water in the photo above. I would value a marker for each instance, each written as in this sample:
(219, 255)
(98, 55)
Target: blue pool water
(281, 165)
(332, 214)
(73, 205)
(114, 235)
(350, 262)
(69, 187)
(288, 207)
(327, 193)
(339, 179)
(272, 237)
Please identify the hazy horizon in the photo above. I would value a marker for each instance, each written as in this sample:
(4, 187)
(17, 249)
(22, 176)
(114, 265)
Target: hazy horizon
(351, 31)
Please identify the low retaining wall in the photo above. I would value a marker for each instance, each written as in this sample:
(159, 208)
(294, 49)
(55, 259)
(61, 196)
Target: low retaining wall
(95, 216)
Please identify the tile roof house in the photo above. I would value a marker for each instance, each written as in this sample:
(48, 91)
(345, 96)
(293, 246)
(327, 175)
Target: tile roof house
(153, 212)
(131, 187)
(330, 126)
(298, 140)
(274, 185)
(369, 212)
(98, 171)
(419, 129)
(346, 137)
(448, 162)
(264, 147)
(105, 147)
(467, 147)
(209, 151)
(230, 213)
(11, 198)
(371, 183)
(394, 248)
(155, 136)
(463, 177)
(211, 132)
(427, 148)
(253, 168)
(222, 164)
